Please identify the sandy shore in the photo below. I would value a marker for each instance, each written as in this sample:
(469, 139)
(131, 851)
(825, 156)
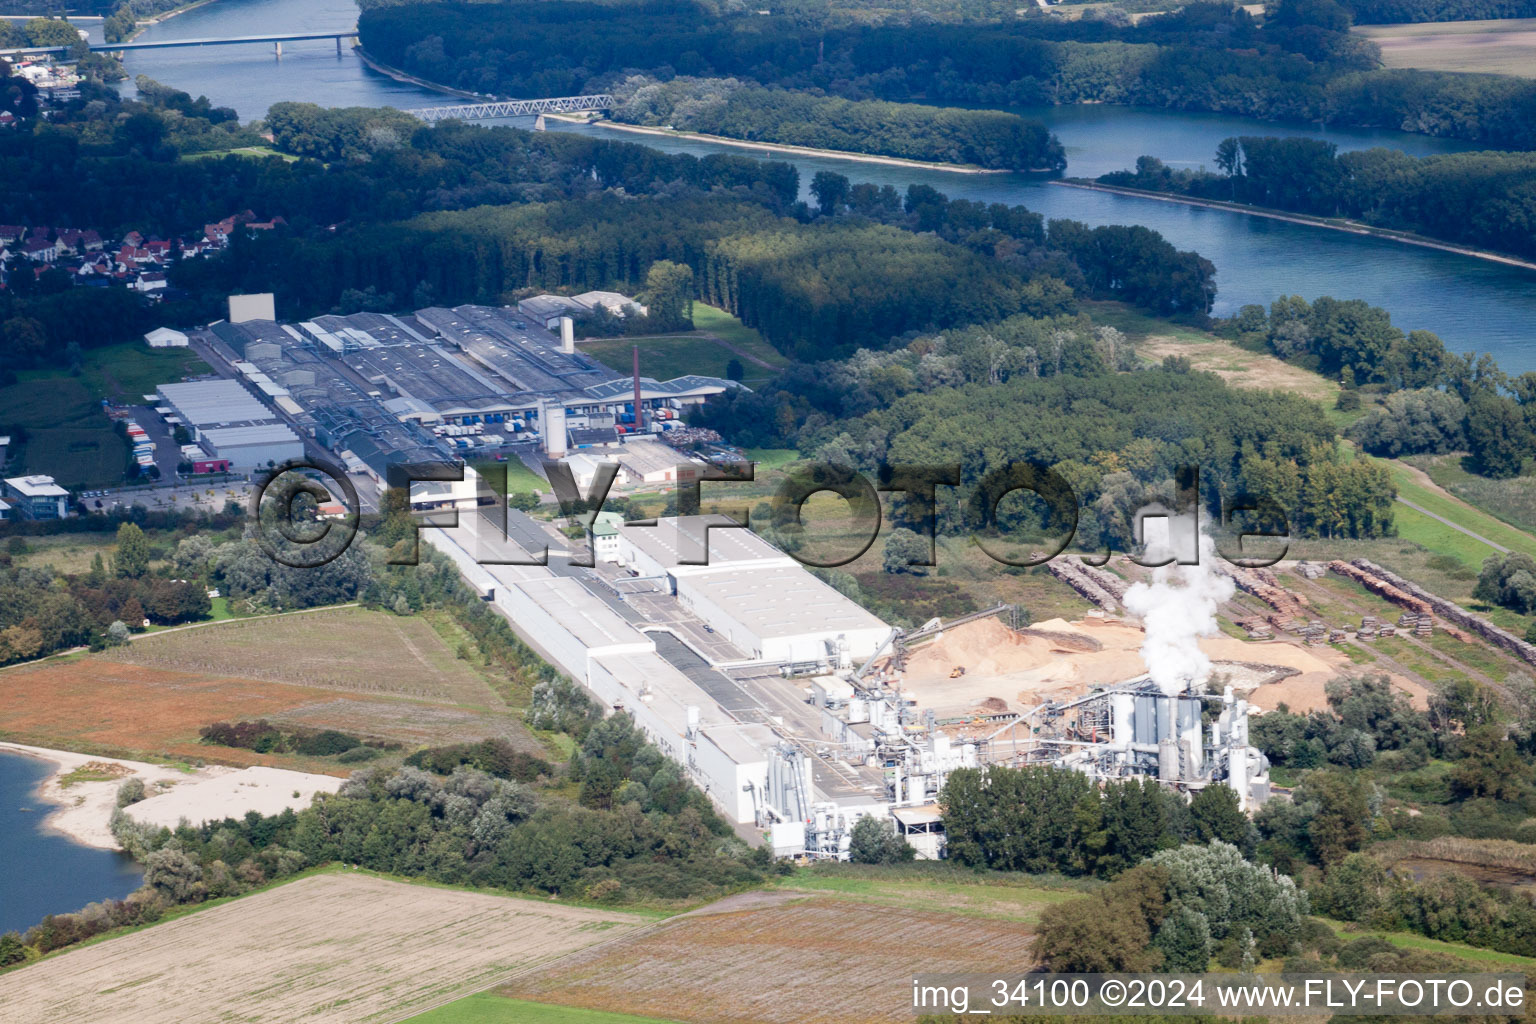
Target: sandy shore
(83, 810)
(778, 147)
(1349, 227)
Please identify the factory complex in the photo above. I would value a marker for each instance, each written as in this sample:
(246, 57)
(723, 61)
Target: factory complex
(793, 708)
(434, 386)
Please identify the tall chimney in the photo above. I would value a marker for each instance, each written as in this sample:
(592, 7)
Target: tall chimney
(567, 335)
(639, 416)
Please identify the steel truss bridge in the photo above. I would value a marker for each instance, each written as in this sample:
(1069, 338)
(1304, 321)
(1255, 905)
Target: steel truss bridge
(514, 108)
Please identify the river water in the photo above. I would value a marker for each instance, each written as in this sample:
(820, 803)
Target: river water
(42, 872)
(1472, 304)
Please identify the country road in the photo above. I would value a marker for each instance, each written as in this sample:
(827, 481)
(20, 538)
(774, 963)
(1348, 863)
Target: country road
(1501, 549)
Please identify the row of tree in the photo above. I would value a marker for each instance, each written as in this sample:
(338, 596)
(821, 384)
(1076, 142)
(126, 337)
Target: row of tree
(985, 138)
(1485, 200)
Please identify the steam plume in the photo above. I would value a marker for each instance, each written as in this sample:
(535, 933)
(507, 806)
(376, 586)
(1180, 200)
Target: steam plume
(1178, 608)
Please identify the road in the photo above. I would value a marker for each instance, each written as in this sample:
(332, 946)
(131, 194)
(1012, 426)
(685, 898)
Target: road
(1501, 549)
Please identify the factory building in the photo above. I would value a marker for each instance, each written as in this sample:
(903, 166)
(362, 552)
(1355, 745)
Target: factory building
(582, 635)
(750, 592)
(230, 424)
(213, 403)
(255, 446)
(441, 384)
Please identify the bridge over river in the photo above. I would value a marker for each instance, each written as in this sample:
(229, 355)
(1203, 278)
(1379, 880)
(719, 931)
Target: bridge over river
(513, 108)
(277, 39)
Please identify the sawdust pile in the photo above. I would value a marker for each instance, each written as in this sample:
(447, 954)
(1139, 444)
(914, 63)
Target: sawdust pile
(1059, 659)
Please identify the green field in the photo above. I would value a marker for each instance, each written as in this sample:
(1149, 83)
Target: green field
(731, 330)
(665, 358)
(1436, 536)
(936, 886)
(519, 477)
(68, 434)
(709, 353)
(488, 1008)
(1513, 501)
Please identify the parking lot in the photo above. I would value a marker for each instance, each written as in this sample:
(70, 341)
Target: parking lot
(205, 497)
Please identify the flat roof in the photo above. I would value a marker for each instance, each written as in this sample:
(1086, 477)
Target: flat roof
(744, 743)
(215, 402)
(582, 612)
(262, 433)
(645, 455)
(663, 688)
(678, 537)
(36, 486)
(779, 600)
(925, 815)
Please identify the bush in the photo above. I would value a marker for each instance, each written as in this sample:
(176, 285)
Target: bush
(130, 792)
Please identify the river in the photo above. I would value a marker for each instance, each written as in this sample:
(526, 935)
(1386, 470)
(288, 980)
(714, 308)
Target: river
(42, 872)
(1472, 304)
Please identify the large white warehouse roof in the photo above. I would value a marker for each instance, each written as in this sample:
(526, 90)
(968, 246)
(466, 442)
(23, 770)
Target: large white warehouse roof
(672, 540)
(780, 601)
(214, 402)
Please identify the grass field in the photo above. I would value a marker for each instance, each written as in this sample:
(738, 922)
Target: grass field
(1436, 535)
(351, 649)
(332, 948)
(785, 956)
(69, 435)
(490, 1008)
(1513, 501)
(933, 887)
(733, 332)
(1502, 47)
(369, 673)
(1156, 339)
(519, 476)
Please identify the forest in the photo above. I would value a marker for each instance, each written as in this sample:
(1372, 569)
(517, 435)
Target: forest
(1394, 12)
(1300, 64)
(1485, 200)
(1063, 393)
(983, 138)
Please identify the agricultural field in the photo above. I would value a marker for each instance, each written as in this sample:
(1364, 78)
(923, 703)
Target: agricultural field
(352, 649)
(782, 956)
(1500, 47)
(330, 948)
(371, 674)
(490, 1008)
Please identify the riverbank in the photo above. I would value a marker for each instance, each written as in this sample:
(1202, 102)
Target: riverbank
(83, 789)
(1350, 227)
(779, 147)
(140, 26)
(374, 64)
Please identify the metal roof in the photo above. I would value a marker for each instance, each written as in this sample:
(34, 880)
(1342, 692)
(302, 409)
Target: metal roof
(215, 403)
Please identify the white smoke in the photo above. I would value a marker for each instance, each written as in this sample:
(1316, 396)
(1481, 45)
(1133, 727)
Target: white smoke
(1178, 608)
